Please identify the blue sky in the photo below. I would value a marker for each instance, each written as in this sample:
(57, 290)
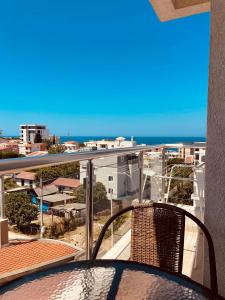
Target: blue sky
(102, 68)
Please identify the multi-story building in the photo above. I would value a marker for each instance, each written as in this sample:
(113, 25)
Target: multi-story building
(33, 133)
(193, 153)
(119, 142)
(119, 175)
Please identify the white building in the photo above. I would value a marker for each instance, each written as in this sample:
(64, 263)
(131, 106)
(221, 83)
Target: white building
(26, 179)
(119, 142)
(193, 153)
(33, 133)
(28, 148)
(119, 175)
(71, 146)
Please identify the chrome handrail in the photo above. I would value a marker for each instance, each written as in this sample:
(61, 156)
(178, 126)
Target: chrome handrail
(13, 165)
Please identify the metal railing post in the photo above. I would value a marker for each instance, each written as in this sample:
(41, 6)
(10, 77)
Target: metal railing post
(2, 200)
(89, 209)
(163, 173)
(41, 209)
(140, 166)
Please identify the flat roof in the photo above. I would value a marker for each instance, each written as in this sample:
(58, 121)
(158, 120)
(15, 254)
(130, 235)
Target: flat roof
(70, 206)
(57, 198)
(174, 9)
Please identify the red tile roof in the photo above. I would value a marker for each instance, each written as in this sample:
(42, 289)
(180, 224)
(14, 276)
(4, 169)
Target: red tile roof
(26, 175)
(31, 253)
(67, 182)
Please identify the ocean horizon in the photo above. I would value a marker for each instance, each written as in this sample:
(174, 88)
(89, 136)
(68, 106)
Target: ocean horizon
(148, 140)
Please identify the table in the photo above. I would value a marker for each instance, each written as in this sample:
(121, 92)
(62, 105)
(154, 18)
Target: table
(104, 279)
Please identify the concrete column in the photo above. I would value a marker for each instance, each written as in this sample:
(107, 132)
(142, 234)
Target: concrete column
(215, 156)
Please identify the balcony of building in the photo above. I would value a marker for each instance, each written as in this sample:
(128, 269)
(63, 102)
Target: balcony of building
(158, 182)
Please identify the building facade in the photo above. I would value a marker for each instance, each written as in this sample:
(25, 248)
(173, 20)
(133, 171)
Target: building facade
(119, 142)
(28, 148)
(33, 133)
(119, 175)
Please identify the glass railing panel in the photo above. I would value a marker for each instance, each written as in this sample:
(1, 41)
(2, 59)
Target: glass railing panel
(116, 187)
(47, 203)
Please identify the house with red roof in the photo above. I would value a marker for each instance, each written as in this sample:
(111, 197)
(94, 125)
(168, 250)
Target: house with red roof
(66, 184)
(26, 179)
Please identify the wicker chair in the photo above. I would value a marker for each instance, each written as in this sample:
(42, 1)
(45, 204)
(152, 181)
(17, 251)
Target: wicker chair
(157, 237)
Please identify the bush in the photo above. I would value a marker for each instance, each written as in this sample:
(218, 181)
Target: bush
(65, 170)
(19, 209)
(9, 183)
(9, 154)
(100, 199)
(116, 225)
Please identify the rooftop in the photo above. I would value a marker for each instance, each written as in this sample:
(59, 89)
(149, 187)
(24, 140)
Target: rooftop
(67, 182)
(57, 198)
(70, 206)
(24, 256)
(26, 175)
(46, 190)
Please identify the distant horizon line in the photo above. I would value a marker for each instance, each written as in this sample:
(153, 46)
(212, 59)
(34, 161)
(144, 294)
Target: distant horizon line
(153, 136)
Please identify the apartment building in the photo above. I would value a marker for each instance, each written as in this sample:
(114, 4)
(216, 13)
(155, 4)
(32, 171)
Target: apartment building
(119, 175)
(33, 133)
(193, 153)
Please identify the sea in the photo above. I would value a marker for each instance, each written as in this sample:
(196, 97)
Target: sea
(148, 140)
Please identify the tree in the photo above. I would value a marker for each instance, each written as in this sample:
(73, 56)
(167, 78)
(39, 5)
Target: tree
(80, 194)
(81, 145)
(100, 200)
(48, 144)
(9, 154)
(175, 161)
(19, 209)
(9, 183)
(56, 149)
(65, 170)
(182, 190)
(38, 138)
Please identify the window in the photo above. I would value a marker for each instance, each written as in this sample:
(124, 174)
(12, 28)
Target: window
(110, 178)
(110, 191)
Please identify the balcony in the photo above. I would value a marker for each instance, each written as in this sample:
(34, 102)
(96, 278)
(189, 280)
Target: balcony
(77, 225)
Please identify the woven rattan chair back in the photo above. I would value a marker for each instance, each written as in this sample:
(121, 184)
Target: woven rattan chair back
(157, 237)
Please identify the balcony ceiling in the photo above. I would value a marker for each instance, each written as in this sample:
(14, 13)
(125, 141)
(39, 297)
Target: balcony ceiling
(173, 9)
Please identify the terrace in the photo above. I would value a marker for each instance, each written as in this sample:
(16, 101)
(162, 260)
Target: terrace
(117, 245)
(211, 201)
